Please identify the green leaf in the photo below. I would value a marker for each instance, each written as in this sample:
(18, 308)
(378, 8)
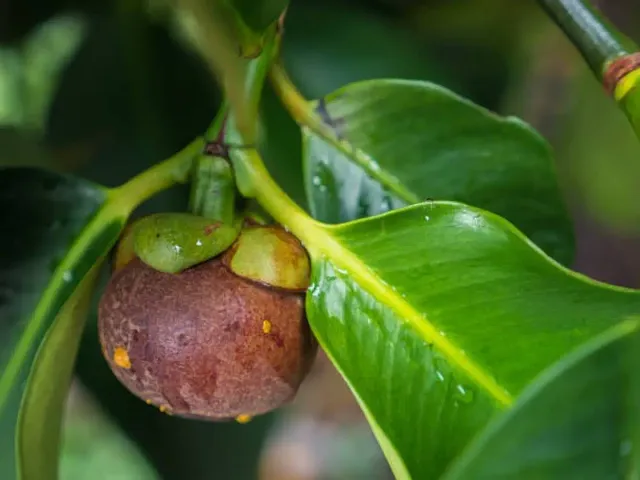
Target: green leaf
(578, 420)
(39, 425)
(438, 315)
(362, 45)
(55, 228)
(402, 142)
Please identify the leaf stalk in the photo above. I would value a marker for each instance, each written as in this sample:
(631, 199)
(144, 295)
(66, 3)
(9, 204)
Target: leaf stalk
(595, 37)
(306, 117)
(612, 56)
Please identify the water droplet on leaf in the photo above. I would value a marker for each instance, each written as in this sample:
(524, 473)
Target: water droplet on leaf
(385, 204)
(463, 394)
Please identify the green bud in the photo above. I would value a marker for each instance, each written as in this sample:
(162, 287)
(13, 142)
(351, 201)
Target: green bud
(172, 242)
(269, 255)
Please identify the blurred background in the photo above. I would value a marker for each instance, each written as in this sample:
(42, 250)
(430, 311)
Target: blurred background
(104, 89)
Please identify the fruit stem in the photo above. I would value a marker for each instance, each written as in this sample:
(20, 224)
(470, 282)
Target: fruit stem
(613, 57)
(213, 188)
(297, 106)
(260, 185)
(213, 191)
(161, 176)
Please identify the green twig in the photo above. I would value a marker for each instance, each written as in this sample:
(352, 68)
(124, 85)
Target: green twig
(220, 51)
(597, 39)
(161, 176)
(255, 73)
(213, 189)
(305, 115)
(261, 186)
(613, 57)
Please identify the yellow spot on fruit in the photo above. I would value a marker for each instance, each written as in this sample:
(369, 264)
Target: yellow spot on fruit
(121, 357)
(148, 402)
(266, 326)
(243, 418)
(162, 409)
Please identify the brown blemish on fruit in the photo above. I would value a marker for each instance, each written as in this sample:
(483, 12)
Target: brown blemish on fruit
(232, 327)
(619, 68)
(291, 250)
(202, 373)
(277, 339)
(266, 326)
(121, 357)
(209, 229)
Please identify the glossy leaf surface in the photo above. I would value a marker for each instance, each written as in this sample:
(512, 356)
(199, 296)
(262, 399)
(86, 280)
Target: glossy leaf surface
(39, 426)
(408, 141)
(362, 45)
(578, 420)
(55, 228)
(439, 315)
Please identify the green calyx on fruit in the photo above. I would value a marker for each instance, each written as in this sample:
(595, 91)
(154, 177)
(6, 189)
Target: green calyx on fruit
(173, 242)
(269, 255)
(206, 343)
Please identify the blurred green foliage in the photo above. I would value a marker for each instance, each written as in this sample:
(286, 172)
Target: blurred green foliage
(91, 444)
(89, 89)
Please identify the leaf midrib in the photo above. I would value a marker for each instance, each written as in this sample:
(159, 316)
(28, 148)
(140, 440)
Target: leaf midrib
(322, 243)
(319, 241)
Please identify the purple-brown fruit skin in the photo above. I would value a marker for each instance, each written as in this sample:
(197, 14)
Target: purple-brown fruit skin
(196, 343)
